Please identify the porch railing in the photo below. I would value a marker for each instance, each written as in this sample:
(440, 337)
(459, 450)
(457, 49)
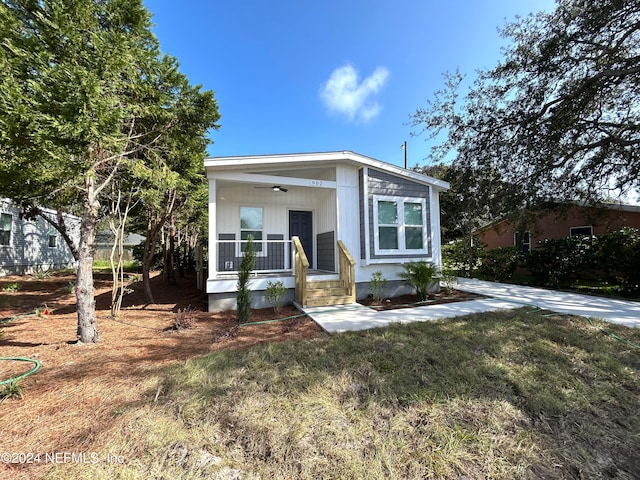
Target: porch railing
(271, 255)
(347, 270)
(301, 264)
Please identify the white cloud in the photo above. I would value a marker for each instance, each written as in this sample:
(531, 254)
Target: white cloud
(343, 93)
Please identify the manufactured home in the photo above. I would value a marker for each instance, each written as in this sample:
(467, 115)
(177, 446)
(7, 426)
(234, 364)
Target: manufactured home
(27, 246)
(322, 224)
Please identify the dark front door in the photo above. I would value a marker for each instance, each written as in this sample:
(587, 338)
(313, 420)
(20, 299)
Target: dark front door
(301, 225)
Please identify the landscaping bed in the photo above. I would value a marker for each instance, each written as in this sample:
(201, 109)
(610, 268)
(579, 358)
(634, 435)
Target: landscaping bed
(412, 300)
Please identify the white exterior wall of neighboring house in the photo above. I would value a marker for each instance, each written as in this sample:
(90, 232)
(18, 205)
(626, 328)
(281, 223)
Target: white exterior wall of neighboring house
(340, 189)
(30, 245)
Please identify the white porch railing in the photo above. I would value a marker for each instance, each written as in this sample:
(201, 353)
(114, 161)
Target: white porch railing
(272, 256)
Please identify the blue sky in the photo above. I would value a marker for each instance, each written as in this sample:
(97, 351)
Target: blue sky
(299, 76)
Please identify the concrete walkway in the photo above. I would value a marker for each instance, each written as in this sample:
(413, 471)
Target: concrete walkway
(342, 318)
(622, 312)
(503, 296)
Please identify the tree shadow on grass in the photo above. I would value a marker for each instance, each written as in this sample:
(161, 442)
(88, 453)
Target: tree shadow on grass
(576, 389)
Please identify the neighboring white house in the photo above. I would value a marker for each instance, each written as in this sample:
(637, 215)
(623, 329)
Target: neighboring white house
(30, 245)
(353, 215)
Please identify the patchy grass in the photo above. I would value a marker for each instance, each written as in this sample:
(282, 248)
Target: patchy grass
(104, 266)
(11, 287)
(497, 395)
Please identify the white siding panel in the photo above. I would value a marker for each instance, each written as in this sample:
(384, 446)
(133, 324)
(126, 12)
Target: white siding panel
(276, 207)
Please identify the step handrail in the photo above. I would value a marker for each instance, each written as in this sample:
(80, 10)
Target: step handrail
(347, 270)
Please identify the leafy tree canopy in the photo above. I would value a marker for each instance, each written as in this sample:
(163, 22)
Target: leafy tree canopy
(558, 118)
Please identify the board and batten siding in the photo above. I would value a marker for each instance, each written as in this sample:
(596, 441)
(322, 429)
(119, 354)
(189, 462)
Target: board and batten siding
(29, 249)
(382, 183)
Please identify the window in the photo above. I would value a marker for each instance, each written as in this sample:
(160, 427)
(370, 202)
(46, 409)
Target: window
(400, 225)
(6, 220)
(251, 224)
(52, 240)
(526, 241)
(580, 231)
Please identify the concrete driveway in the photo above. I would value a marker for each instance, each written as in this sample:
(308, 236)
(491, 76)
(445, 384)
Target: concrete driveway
(622, 312)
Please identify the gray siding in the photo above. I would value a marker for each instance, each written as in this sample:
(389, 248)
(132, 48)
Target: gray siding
(381, 183)
(326, 243)
(29, 249)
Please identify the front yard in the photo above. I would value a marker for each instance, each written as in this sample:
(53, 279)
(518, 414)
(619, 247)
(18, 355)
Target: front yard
(520, 394)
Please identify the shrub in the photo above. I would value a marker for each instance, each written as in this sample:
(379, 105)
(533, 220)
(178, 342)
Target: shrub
(500, 263)
(243, 298)
(184, 319)
(617, 254)
(377, 286)
(11, 287)
(10, 390)
(274, 294)
(557, 262)
(449, 278)
(463, 255)
(420, 275)
(40, 273)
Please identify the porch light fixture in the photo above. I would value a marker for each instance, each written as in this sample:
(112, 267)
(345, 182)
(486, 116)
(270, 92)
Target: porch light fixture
(276, 188)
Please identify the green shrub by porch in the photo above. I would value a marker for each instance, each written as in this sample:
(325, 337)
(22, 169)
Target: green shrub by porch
(243, 297)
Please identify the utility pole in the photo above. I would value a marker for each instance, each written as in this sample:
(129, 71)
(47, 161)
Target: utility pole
(404, 147)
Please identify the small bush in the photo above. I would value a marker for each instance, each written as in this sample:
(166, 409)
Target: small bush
(11, 287)
(500, 263)
(41, 273)
(184, 319)
(243, 297)
(420, 275)
(448, 278)
(71, 287)
(275, 294)
(11, 390)
(377, 286)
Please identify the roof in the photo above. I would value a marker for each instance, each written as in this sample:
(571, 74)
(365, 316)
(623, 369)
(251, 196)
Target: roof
(106, 237)
(580, 204)
(345, 157)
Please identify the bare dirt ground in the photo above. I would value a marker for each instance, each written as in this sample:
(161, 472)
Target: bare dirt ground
(71, 401)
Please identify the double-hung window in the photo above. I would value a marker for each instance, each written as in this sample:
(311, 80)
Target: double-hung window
(251, 225)
(526, 241)
(5, 228)
(400, 225)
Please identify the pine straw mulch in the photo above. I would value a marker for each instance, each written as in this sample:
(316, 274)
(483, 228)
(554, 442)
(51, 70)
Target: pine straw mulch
(70, 404)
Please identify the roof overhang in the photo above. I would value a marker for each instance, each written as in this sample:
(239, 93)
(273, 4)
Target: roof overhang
(213, 164)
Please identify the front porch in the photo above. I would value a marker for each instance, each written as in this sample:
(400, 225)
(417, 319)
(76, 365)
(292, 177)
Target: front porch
(305, 286)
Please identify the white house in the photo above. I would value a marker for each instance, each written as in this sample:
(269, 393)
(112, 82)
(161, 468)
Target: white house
(30, 245)
(322, 224)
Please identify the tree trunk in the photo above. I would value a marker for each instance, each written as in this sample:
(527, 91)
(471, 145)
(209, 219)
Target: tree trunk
(85, 298)
(147, 260)
(169, 262)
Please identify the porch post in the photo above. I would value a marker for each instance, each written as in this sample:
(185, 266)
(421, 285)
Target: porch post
(213, 231)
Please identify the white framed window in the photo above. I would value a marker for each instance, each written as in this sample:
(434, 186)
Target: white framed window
(52, 235)
(526, 241)
(251, 223)
(6, 219)
(581, 231)
(400, 225)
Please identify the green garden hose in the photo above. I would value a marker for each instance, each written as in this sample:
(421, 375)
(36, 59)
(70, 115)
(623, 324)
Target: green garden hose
(20, 377)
